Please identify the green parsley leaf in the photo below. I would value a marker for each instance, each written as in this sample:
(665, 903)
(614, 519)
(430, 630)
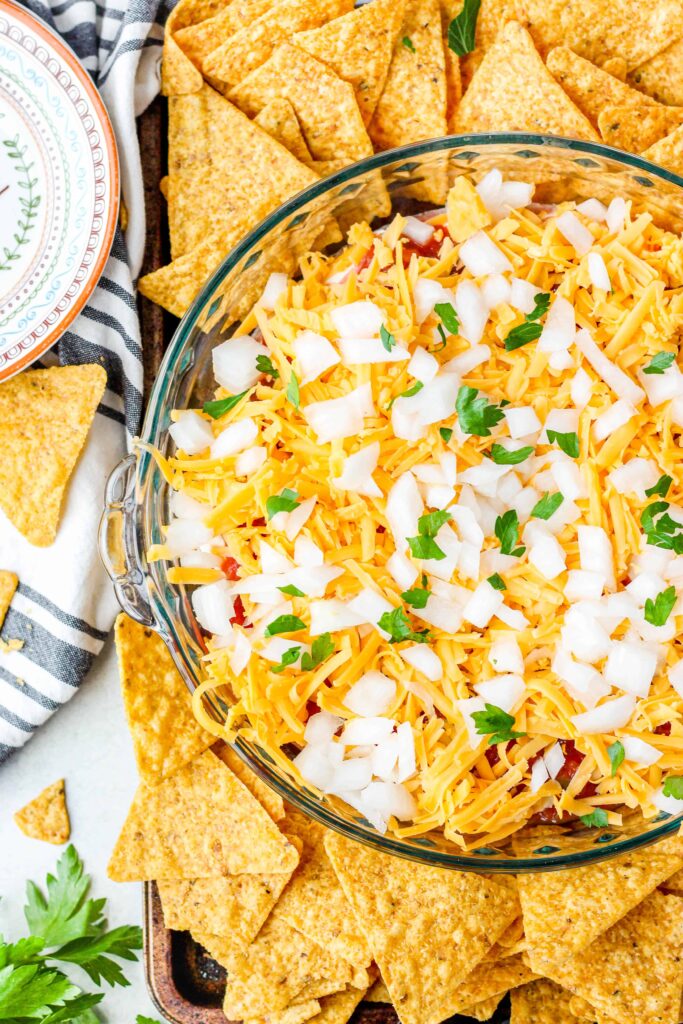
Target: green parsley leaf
(476, 415)
(497, 722)
(321, 649)
(444, 340)
(660, 362)
(569, 443)
(293, 390)
(288, 658)
(387, 339)
(93, 952)
(417, 597)
(522, 335)
(429, 524)
(286, 501)
(78, 1010)
(659, 610)
(446, 433)
(448, 316)
(616, 755)
(462, 29)
(264, 364)
(425, 547)
(673, 786)
(26, 990)
(222, 405)
(408, 43)
(541, 306)
(64, 913)
(408, 393)
(662, 531)
(291, 591)
(284, 624)
(506, 530)
(661, 487)
(546, 506)
(397, 625)
(146, 1020)
(497, 582)
(596, 819)
(510, 457)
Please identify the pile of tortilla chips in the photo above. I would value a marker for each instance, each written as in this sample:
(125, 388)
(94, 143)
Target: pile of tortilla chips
(308, 923)
(266, 96)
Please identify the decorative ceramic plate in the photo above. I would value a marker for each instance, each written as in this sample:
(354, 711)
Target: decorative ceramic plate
(59, 187)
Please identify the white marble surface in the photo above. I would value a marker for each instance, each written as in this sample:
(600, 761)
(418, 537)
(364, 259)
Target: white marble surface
(86, 743)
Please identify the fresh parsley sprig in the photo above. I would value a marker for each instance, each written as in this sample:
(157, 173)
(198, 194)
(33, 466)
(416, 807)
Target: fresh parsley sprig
(510, 456)
(222, 405)
(616, 754)
(569, 443)
(660, 529)
(506, 530)
(286, 501)
(496, 724)
(658, 611)
(387, 338)
(476, 414)
(321, 649)
(661, 488)
(596, 819)
(397, 625)
(264, 364)
(417, 597)
(660, 362)
(462, 29)
(424, 545)
(546, 506)
(530, 329)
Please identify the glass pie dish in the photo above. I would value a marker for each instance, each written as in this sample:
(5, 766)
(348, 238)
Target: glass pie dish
(137, 499)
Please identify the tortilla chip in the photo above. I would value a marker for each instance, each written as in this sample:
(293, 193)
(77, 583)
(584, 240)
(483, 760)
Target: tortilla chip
(197, 40)
(633, 972)
(483, 1010)
(337, 1009)
(279, 120)
(634, 129)
(424, 953)
(46, 816)
(319, 988)
(590, 87)
(668, 152)
(453, 73)
(662, 76)
(251, 47)
(271, 972)
(541, 18)
(178, 75)
(45, 417)
(8, 584)
(157, 703)
(379, 993)
(673, 884)
(513, 91)
(615, 66)
(199, 823)
(636, 32)
(314, 902)
(565, 911)
(492, 15)
(295, 1013)
(412, 106)
(541, 1002)
(358, 47)
(492, 980)
(325, 106)
(266, 796)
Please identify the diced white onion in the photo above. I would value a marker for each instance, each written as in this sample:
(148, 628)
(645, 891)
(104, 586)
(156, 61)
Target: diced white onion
(613, 375)
(403, 509)
(417, 230)
(548, 556)
(597, 271)
(505, 692)
(564, 421)
(676, 677)
(554, 760)
(402, 570)
(595, 553)
(351, 774)
(467, 707)
(581, 388)
(276, 285)
(314, 355)
(340, 417)
(631, 667)
(521, 421)
(667, 804)
(272, 560)
(583, 682)
(583, 585)
(644, 586)
(372, 695)
(495, 290)
(539, 775)
(389, 800)
(332, 615)
(523, 295)
(295, 520)
(314, 765)
(639, 751)
(634, 477)
(616, 214)
(277, 646)
(322, 726)
(662, 387)
(441, 613)
(483, 605)
(423, 366)
(614, 417)
(185, 507)
(371, 729)
(427, 294)
(472, 311)
(371, 606)
(559, 327)
(240, 652)
(593, 209)
(250, 460)
(357, 472)
(576, 233)
(613, 714)
(407, 765)
(512, 617)
(200, 560)
(186, 535)
(361, 319)
(213, 606)
(234, 363)
(422, 658)
(505, 656)
(235, 438)
(368, 351)
(468, 361)
(567, 476)
(191, 433)
(481, 256)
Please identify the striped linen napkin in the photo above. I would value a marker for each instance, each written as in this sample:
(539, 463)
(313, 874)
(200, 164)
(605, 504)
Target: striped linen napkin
(64, 606)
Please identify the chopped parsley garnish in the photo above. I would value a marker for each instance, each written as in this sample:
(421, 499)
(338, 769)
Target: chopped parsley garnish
(463, 27)
(569, 443)
(288, 658)
(496, 581)
(446, 433)
(417, 597)
(424, 545)
(408, 393)
(291, 591)
(510, 457)
(387, 338)
(321, 649)
(408, 43)
(444, 340)
(660, 362)
(222, 405)
(596, 819)
(293, 390)
(530, 329)
(286, 501)
(285, 624)
(546, 506)
(661, 531)
(661, 487)
(496, 722)
(396, 624)
(616, 755)
(264, 364)
(507, 530)
(673, 786)
(476, 415)
(659, 610)
(448, 316)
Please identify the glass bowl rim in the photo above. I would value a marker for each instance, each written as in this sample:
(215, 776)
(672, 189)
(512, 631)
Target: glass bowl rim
(319, 811)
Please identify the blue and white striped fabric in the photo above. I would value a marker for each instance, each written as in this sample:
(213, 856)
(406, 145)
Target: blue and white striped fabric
(64, 607)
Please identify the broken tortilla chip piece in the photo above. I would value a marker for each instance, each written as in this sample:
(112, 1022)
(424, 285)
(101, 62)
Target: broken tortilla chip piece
(482, 1011)
(200, 822)
(412, 106)
(635, 32)
(662, 76)
(178, 75)
(198, 39)
(359, 47)
(379, 993)
(266, 796)
(635, 129)
(279, 120)
(45, 418)
(157, 703)
(295, 1013)
(668, 152)
(675, 883)
(314, 902)
(338, 1008)
(565, 911)
(589, 86)
(424, 954)
(46, 817)
(490, 980)
(8, 585)
(513, 90)
(540, 1002)
(541, 18)
(325, 106)
(634, 971)
(255, 43)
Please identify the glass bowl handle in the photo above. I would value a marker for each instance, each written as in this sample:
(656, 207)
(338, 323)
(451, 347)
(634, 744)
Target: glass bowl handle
(118, 542)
